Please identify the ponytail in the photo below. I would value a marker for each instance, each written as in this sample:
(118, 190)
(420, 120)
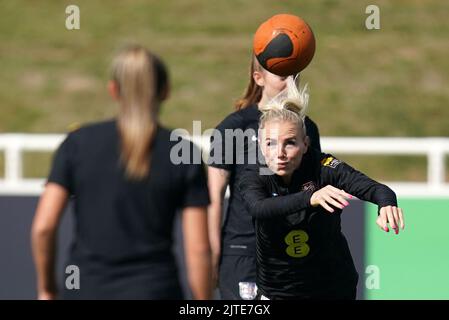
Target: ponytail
(289, 105)
(253, 92)
(142, 80)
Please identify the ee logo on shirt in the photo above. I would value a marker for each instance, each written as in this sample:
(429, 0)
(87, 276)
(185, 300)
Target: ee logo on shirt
(297, 243)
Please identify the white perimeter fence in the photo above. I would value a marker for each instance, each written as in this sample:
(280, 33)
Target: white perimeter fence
(435, 149)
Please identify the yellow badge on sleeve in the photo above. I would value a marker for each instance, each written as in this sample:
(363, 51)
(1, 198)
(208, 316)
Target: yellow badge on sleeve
(330, 162)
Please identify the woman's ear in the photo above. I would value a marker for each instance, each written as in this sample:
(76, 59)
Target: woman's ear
(113, 90)
(260, 143)
(261, 147)
(165, 93)
(306, 143)
(258, 78)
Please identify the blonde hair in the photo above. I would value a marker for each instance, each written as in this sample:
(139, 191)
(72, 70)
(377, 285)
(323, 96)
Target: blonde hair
(141, 79)
(289, 105)
(253, 92)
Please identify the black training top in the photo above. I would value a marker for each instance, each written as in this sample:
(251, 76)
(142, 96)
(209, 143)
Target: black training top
(123, 226)
(301, 252)
(238, 237)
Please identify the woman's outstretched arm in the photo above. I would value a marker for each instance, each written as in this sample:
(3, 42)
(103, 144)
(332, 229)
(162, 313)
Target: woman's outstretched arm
(261, 204)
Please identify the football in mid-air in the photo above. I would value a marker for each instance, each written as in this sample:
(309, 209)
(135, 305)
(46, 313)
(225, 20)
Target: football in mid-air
(284, 44)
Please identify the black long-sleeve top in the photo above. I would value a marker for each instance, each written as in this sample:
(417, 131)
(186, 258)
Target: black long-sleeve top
(238, 235)
(300, 250)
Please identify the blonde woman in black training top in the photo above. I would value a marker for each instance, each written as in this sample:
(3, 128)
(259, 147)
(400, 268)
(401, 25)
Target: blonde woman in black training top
(296, 201)
(126, 191)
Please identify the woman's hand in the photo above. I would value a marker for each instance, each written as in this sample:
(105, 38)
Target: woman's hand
(46, 295)
(390, 215)
(330, 195)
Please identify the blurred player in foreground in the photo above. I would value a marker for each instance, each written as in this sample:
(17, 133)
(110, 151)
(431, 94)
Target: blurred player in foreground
(126, 191)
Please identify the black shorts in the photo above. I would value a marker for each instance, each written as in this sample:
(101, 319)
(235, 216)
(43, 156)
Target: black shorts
(233, 273)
